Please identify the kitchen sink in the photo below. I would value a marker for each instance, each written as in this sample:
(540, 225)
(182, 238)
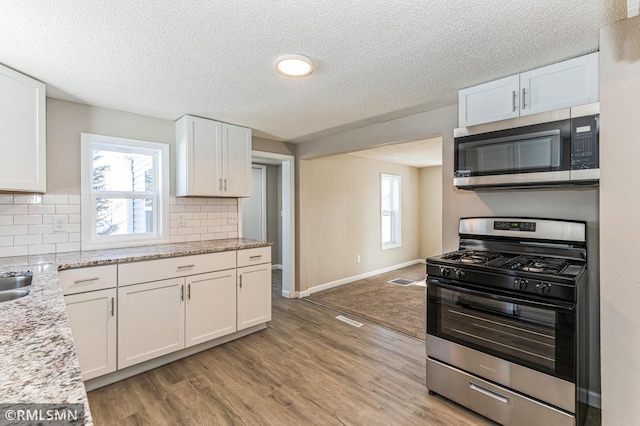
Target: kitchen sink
(14, 285)
(7, 295)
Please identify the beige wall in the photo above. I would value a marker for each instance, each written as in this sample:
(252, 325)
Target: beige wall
(340, 204)
(619, 207)
(430, 211)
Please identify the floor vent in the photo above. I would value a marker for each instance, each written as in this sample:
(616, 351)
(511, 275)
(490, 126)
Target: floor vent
(349, 321)
(401, 281)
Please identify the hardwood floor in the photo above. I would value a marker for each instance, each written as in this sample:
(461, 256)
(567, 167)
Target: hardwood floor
(305, 368)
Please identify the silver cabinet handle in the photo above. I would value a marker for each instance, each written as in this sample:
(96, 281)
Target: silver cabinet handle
(255, 257)
(85, 280)
(513, 101)
(182, 292)
(240, 280)
(220, 184)
(112, 307)
(489, 393)
(524, 96)
(189, 291)
(186, 266)
(225, 185)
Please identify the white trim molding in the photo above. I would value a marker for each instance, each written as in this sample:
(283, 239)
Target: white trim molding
(633, 8)
(351, 279)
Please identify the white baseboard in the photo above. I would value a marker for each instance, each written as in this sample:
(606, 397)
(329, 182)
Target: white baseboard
(276, 267)
(348, 280)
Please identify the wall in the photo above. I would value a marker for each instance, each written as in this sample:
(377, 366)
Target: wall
(430, 211)
(274, 219)
(340, 199)
(26, 221)
(619, 206)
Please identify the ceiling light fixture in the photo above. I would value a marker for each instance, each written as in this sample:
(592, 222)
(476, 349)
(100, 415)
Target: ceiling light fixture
(294, 65)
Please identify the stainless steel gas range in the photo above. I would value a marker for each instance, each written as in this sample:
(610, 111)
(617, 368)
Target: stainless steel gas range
(507, 320)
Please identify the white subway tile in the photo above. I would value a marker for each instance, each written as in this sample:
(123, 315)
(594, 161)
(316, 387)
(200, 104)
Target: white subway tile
(67, 209)
(192, 208)
(194, 237)
(74, 218)
(6, 198)
(15, 209)
(72, 227)
(6, 241)
(214, 215)
(200, 215)
(200, 230)
(187, 216)
(214, 201)
(177, 239)
(55, 238)
(6, 219)
(220, 236)
(74, 199)
(55, 199)
(185, 201)
(193, 222)
(220, 222)
(185, 231)
(173, 231)
(173, 224)
(14, 251)
(67, 247)
(42, 249)
(22, 240)
(176, 208)
(14, 230)
(173, 200)
(232, 234)
(230, 201)
(41, 209)
(207, 209)
(28, 219)
(74, 237)
(40, 229)
(207, 237)
(47, 219)
(213, 229)
(207, 222)
(227, 228)
(27, 199)
(221, 208)
(232, 208)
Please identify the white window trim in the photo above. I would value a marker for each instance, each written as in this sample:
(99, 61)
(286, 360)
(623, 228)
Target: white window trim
(398, 225)
(89, 240)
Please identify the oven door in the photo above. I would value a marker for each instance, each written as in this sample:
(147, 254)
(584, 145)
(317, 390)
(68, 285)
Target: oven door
(534, 334)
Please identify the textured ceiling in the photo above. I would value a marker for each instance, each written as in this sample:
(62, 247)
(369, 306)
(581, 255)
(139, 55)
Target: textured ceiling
(375, 59)
(423, 153)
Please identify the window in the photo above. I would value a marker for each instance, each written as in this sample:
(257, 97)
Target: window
(125, 192)
(390, 210)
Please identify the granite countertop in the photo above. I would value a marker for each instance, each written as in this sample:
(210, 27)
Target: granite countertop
(37, 354)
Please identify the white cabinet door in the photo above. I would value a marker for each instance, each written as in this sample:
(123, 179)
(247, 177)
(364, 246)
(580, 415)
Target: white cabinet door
(236, 148)
(562, 85)
(198, 158)
(22, 132)
(211, 306)
(493, 101)
(151, 320)
(254, 295)
(93, 323)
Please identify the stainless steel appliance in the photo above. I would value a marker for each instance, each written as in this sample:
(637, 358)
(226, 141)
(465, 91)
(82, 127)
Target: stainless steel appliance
(506, 320)
(552, 148)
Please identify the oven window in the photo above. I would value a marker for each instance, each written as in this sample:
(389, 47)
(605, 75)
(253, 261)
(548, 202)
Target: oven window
(535, 337)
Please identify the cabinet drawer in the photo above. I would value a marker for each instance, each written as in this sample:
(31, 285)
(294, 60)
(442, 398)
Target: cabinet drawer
(254, 256)
(154, 270)
(88, 279)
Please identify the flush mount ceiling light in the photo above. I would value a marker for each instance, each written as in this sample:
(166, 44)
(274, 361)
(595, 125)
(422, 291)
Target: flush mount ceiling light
(294, 65)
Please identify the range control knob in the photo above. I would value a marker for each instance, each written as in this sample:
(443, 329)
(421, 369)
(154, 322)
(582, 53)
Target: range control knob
(445, 272)
(460, 274)
(520, 283)
(543, 288)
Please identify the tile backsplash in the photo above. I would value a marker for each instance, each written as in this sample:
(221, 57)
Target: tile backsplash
(28, 222)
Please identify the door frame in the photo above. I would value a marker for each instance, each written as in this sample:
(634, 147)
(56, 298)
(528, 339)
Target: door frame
(287, 209)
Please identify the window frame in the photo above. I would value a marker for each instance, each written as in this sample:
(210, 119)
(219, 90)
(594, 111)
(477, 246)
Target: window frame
(159, 194)
(396, 212)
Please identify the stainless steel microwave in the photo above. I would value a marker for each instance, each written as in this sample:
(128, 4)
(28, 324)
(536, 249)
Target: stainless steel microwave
(547, 149)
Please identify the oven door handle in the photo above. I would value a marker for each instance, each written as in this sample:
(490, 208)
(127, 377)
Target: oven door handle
(556, 306)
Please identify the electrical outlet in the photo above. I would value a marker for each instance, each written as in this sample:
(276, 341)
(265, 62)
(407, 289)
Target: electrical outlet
(58, 223)
(232, 217)
(181, 221)
(358, 258)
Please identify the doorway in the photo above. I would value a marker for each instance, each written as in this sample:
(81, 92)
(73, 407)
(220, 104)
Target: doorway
(284, 209)
(254, 209)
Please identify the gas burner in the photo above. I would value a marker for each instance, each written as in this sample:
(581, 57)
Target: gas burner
(539, 265)
(12, 274)
(477, 257)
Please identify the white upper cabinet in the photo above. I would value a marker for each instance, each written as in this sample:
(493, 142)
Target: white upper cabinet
(562, 85)
(22, 133)
(212, 159)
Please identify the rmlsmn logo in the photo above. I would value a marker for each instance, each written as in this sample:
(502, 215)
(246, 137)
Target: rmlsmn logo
(487, 368)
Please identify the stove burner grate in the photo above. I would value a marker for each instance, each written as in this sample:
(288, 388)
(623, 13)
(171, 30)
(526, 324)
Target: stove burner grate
(476, 257)
(539, 265)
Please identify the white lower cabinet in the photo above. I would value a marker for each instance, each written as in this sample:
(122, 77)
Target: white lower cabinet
(151, 320)
(93, 323)
(211, 306)
(254, 295)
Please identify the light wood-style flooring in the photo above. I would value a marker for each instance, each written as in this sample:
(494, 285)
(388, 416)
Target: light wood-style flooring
(306, 368)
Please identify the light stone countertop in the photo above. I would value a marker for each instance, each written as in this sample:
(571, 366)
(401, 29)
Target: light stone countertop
(37, 354)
